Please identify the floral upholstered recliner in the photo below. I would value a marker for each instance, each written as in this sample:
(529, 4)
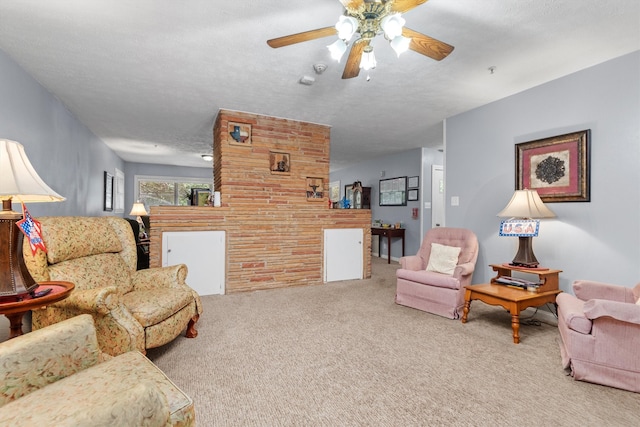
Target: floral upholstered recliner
(133, 310)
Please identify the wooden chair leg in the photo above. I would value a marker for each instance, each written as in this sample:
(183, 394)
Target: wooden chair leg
(191, 327)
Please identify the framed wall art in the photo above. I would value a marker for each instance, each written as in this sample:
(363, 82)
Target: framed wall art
(393, 192)
(557, 167)
(279, 163)
(413, 182)
(412, 195)
(108, 191)
(240, 133)
(315, 189)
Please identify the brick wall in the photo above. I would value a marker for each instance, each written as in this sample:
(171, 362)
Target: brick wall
(274, 229)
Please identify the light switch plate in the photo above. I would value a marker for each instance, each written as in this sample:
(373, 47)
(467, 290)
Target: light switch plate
(455, 201)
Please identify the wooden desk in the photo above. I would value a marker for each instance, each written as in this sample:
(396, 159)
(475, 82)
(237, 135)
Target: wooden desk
(512, 299)
(389, 233)
(14, 310)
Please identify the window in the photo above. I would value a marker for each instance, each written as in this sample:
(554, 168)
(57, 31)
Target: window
(163, 190)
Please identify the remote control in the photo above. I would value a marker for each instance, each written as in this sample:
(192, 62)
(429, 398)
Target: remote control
(42, 292)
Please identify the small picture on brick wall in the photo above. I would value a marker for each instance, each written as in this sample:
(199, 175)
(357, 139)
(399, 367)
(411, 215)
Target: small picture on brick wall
(315, 189)
(240, 133)
(280, 163)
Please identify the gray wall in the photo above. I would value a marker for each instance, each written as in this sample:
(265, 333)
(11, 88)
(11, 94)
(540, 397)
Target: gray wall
(407, 163)
(597, 240)
(66, 155)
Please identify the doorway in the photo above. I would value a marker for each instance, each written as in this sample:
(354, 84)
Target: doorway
(437, 196)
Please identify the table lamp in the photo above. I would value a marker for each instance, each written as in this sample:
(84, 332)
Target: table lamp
(138, 210)
(20, 181)
(522, 209)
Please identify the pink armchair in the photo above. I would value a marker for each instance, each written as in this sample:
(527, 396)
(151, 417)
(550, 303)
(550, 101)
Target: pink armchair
(600, 334)
(133, 309)
(436, 290)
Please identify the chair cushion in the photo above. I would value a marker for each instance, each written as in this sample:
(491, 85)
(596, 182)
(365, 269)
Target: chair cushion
(95, 271)
(66, 238)
(572, 311)
(153, 306)
(443, 259)
(430, 278)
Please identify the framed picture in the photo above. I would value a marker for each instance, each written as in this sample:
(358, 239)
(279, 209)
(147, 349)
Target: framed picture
(413, 182)
(315, 189)
(334, 191)
(240, 133)
(200, 197)
(557, 167)
(280, 163)
(412, 195)
(108, 191)
(393, 191)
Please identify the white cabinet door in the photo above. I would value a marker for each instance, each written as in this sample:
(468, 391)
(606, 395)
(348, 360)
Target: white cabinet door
(343, 254)
(204, 254)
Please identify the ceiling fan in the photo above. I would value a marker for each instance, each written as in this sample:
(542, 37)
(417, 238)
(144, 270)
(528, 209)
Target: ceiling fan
(370, 18)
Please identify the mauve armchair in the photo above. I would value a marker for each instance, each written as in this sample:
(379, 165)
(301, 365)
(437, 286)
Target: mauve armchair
(441, 293)
(600, 334)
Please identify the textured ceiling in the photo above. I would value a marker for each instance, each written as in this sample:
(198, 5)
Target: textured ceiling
(148, 76)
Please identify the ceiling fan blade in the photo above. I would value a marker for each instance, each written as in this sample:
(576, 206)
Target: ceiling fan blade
(434, 49)
(352, 4)
(403, 6)
(302, 37)
(352, 69)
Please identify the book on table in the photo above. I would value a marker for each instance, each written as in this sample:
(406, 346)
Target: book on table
(517, 282)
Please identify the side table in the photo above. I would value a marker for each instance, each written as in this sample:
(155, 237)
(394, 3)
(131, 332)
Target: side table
(14, 310)
(388, 233)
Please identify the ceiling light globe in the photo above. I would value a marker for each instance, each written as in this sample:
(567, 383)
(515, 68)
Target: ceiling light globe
(400, 44)
(347, 27)
(368, 60)
(337, 49)
(392, 25)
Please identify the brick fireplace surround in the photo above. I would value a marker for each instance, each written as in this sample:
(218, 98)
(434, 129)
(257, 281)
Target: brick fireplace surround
(274, 228)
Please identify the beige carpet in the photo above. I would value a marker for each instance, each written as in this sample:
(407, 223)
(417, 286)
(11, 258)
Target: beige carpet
(343, 354)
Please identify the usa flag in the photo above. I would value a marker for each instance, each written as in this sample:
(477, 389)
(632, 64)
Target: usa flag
(32, 229)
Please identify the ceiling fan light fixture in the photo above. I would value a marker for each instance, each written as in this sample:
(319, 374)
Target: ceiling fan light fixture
(347, 27)
(400, 44)
(337, 49)
(368, 60)
(392, 25)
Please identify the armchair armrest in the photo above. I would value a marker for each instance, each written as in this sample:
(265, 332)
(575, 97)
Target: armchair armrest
(32, 361)
(97, 300)
(622, 311)
(152, 278)
(412, 262)
(464, 269)
(587, 289)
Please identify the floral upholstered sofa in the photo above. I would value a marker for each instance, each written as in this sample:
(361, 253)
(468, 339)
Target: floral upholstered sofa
(132, 310)
(57, 376)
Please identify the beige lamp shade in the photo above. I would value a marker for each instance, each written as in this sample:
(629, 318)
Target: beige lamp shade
(18, 179)
(138, 209)
(526, 204)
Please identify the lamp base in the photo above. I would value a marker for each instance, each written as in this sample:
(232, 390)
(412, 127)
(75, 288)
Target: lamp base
(525, 256)
(15, 279)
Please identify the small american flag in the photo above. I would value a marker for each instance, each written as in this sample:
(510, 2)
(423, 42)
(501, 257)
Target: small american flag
(32, 229)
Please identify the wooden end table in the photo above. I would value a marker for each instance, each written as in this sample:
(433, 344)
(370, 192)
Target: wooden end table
(514, 299)
(14, 310)
(388, 233)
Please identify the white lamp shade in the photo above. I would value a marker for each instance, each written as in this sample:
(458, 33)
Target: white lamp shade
(18, 179)
(347, 27)
(337, 49)
(138, 209)
(368, 60)
(400, 44)
(392, 25)
(526, 204)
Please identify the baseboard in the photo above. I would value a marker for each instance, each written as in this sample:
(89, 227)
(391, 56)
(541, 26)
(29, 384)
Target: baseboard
(543, 315)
